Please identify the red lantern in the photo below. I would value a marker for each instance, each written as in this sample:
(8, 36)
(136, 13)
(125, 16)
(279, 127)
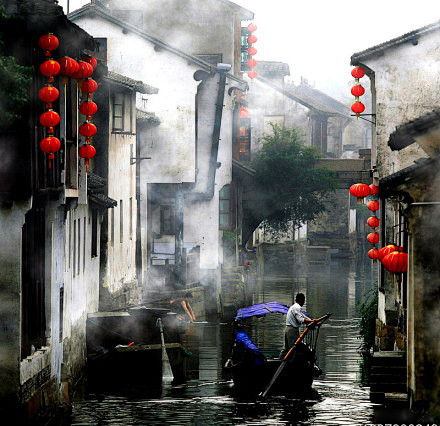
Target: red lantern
(373, 238)
(50, 145)
(252, 51)
(360, 190)
(373, 254)
(252, 27)
(49, 68)
(49, 119)
(396, 262)
(49, 94)
(87, 130)
(357, 72)
(358, 107)
(88, 108)
(373, 221)
(243, 112)
(357, 90)
(87, 152)
(68, 66)
(88, 86)
(252, 38)
(373, 205)
(252, 62)
(386, 250)
(374, 189)
(48, 42)
(252, 74)
(85, 70)
(91, 60)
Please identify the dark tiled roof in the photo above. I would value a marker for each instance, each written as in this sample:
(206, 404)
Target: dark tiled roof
(138, 85)
(144, 117)
(404, 134)
(97, 10)
(422, 166)
(410, 37)
(319, 99)
(267, 68)
(95, 192)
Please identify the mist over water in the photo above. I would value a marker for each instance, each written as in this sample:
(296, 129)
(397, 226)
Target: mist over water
(208, 397)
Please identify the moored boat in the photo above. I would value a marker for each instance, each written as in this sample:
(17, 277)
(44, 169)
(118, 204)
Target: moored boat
(254, 372)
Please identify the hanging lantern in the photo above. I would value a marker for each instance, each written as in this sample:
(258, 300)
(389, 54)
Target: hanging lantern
(87, 130)
(48, 94)
(386, 250)
(252, 51)
(373, 238)
(357, 90)
(252, 74)
(357, 72)
(243, 112)
(49, 119)
(396, 262)
(68, 67)
(252, 38)
(88, 108)
(50, 68)
(91, 60)
(358, 108)
(374, 189)
(252, 28)
(252, 63)
(360, 190)
(373, 221)
(88, 86)
(48, 42)
(85, 70)
(373, 254)
(50, 145)
(373, 205)
(87, 152)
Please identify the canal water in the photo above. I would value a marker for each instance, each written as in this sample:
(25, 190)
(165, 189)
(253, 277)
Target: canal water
(339, 397)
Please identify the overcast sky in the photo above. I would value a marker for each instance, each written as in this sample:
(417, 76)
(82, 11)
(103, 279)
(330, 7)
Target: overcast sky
(317, 37)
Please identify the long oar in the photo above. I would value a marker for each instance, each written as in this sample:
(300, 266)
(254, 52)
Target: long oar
(167, 372)
(292, 352)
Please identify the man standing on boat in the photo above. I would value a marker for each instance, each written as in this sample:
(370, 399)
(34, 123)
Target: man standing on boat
(294, 319)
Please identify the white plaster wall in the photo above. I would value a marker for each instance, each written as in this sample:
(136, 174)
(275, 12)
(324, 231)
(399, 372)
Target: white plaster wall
(407, 80)
(172, 143)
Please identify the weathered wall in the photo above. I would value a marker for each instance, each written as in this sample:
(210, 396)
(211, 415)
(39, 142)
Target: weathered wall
(11, 222)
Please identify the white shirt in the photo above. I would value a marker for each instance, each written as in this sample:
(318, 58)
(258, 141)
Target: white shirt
(295, 317)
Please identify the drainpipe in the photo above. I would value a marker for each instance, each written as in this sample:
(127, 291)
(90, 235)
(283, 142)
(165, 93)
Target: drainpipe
(209, 193)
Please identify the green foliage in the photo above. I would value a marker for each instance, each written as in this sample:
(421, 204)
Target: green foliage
(15, 81)
(367, 320)
(291, 187)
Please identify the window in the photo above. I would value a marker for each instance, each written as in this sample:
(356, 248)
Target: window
(131, 218)
(167, 220)
(244, 144)
(121, 221)
(94, 250)
(225, 217)
(118, 111)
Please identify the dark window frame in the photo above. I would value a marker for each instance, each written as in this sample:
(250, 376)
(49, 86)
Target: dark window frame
(114, 116)
(225, 212)
(167, 224)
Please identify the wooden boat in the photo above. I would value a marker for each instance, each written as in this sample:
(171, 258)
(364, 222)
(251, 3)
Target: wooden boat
(253, 372)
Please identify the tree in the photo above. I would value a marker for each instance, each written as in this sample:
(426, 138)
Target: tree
(292, 190)
(15, 81)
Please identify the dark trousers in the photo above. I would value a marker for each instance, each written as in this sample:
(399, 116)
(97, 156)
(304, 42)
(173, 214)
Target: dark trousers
(291, 335)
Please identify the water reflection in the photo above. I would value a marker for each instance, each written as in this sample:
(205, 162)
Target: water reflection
(208, 396)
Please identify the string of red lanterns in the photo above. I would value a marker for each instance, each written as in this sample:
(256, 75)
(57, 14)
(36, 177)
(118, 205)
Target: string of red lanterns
(357, 90)
(88, 108)
(252, 51)
(48, 94)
